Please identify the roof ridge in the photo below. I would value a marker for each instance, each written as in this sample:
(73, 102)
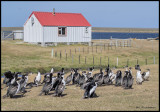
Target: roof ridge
(58, 12)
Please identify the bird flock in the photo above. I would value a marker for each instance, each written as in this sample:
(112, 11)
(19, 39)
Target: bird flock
(86, 81)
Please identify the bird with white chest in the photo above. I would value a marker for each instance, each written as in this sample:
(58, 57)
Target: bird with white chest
(139, 78)
(145, 75)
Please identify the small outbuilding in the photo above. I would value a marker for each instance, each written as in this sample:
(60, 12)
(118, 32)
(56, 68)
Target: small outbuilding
(54, 27)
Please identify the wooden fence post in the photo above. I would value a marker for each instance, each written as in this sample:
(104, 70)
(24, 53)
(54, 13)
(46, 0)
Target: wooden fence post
(60, 55)
(66, 56)
(56, 54)
(93, 60)
(72, 58)
(83, 50)
(79, 59)
(52, 53)
(117, 61)
(88, 49)
(70, 52)
(104, 46)
(108, 60)
(108, 46)
(75, 50)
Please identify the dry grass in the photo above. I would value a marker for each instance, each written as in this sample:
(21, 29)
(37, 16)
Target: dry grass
(18, 56)
(141, 97)
(23, 57)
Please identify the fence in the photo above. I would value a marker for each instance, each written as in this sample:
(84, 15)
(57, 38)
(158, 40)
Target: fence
(80, 56)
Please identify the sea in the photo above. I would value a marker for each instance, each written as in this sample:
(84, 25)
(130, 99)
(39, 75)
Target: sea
(118, 35)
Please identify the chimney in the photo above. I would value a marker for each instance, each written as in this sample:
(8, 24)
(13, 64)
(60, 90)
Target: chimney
(54, 11)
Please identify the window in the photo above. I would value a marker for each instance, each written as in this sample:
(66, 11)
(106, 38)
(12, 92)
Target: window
(86, 29)
(62, 31)
(32, 21)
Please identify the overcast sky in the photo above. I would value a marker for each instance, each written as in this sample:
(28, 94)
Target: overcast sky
(125, 14)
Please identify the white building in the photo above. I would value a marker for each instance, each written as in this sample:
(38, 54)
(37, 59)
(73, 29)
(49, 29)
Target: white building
(18, 34)
(51, 27)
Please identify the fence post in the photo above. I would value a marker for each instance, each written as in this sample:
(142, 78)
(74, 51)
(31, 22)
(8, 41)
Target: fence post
(96, 48)
(108, 60)
(72, 58)
(70, 52)
(52, 53)
(83, 50)
(108, 46)
(56, 54)
(65, 51)
(117, 61)
(93, 60)
(79, 59)
(60, 55)
(88, 49)
(75, 50)
(104, 46)
(66, 56)
(137, 61)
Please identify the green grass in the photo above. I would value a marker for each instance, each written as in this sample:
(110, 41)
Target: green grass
(24, 57)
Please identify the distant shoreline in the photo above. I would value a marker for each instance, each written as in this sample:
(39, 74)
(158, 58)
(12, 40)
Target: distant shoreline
(103, 29)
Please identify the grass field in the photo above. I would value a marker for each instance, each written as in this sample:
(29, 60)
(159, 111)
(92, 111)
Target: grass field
(24, 57)
(19, 56)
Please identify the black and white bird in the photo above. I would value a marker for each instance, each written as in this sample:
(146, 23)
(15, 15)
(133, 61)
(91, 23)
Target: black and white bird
(76, 75)
(125, 79)
(82, 78)
(145, 75)
(23, 82)
(112, 77)
(8, 76)
(69, 78)
(48, 85)
(13, 88)
(118, 79)
(90, 89)
(60, 86)
(96, 76)
(46, 75)
(139, 78)
(37, 79)
(106, 79)
(130, 80)
(89, 74)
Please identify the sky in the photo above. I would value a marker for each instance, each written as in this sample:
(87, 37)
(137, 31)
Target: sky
(121, 14)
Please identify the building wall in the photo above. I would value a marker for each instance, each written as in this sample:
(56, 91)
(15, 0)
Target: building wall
(74, 34)
(18, 34)
(33, 33)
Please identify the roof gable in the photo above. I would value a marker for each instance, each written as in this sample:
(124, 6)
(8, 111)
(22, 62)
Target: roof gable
(60, 19)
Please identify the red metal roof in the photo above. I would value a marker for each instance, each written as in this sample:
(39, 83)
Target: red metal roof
(60, 19)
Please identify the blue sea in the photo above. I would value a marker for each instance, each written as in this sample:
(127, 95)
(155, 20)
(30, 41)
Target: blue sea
(118, 35)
